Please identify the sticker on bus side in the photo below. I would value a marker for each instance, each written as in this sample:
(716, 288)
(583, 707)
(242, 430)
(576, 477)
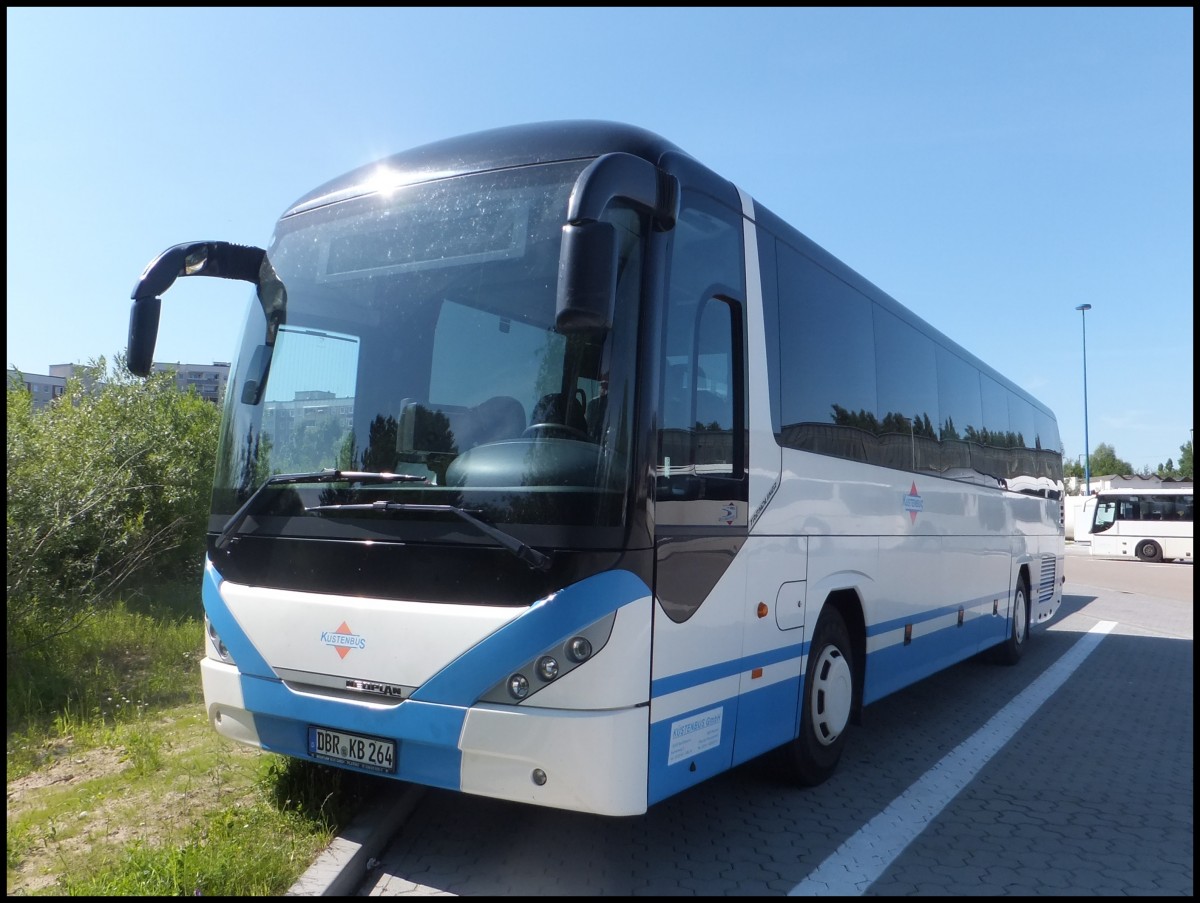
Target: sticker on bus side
(692, 736)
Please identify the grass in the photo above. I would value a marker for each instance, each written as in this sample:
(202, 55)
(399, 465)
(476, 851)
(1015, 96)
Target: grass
(117, 785)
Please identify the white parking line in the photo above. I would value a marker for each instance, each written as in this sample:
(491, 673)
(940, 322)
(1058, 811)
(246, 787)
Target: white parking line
(862, 859)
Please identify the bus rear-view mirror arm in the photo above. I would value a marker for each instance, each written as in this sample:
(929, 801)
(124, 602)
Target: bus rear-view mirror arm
(587, 264)
(203, 258)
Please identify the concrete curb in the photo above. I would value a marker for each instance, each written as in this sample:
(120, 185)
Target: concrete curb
(342, 867)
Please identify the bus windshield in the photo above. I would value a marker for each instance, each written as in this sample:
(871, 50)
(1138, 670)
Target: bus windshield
(1106, 515)
(419, 339)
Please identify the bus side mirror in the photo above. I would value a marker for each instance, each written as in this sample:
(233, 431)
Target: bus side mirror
(587, 262)
(205, 258)
(143, 333)
(256, 375)
(587, 278)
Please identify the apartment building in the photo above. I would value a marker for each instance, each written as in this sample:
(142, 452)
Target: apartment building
(209, 380)
(43, 388)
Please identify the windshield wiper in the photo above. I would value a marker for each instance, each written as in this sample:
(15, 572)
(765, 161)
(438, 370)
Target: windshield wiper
(319, 476)
(530, 556)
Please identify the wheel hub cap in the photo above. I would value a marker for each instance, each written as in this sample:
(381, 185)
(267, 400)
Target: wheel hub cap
(832, 696)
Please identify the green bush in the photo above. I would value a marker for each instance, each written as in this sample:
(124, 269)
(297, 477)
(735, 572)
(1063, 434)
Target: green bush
(108, 490)
(108, 496)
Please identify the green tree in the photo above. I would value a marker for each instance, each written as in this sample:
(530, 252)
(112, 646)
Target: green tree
(1104, 462)
(108, 487)
(1182, 471)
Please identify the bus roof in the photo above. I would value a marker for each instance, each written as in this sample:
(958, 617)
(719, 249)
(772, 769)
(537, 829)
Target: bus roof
(1148, 490)
(515, 145)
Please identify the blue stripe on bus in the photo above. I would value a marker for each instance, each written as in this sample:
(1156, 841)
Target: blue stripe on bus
(977, 605)
(427, 736)
(975, 625)
(243, 651)
(543, 625)
(427, 726)
(897, 665)
(685, 680)
(767, 717)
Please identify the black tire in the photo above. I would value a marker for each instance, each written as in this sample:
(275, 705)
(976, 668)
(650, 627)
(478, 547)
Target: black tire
(1149, 550)
(1010, 651)
(829, 694)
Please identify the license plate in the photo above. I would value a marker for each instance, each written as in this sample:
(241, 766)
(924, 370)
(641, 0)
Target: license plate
(373, 753)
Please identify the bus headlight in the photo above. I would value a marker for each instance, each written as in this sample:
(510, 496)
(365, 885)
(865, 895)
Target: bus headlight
(579, 649)
(216, 647)
(547, 668)
(518, 686)
(552, 664)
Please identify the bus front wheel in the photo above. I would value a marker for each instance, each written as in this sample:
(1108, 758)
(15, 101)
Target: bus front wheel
(1148, 550)
(828, 699)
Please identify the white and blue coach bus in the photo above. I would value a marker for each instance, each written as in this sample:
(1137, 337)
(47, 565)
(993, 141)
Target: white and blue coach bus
(555, 468)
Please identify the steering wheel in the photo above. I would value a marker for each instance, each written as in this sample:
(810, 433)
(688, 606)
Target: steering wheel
(569, 432)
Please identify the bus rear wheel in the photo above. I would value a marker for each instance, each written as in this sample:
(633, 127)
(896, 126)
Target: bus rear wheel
(829, 694)
(1148, 550)
(1010, 651)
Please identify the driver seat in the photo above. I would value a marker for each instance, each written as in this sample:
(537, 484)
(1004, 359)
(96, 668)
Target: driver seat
(500, 417)
(550, 410)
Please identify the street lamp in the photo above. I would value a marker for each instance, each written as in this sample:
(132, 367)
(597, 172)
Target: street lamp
(1087, 461)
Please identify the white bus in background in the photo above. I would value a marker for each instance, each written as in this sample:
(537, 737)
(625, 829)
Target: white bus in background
(1153, 524)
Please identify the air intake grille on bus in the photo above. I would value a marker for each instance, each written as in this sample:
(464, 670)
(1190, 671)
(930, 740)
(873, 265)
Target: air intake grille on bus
(1049, 575)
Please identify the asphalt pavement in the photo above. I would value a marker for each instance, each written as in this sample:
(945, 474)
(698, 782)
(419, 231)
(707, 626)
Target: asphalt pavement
(1085, 845)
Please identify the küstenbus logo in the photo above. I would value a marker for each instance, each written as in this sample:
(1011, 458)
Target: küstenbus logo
(913, 503)
(343, 640)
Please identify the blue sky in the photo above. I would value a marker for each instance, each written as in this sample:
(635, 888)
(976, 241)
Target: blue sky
(991, 169)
